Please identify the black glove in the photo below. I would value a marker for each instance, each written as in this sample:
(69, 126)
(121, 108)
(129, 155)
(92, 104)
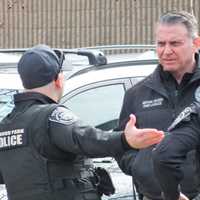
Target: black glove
(104, 182)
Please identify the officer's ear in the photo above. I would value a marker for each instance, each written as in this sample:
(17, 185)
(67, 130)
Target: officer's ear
(196, 42)
(59, 82)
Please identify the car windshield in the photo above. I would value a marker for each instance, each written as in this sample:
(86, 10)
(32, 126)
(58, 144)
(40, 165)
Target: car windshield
(6, 101)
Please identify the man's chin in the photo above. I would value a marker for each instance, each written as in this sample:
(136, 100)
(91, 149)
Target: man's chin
(169, 68)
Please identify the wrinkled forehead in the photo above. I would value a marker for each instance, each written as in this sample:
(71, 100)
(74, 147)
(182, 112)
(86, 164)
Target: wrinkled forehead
(176, 30)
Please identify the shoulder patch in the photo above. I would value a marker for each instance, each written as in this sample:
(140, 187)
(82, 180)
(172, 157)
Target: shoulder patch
(63, 115)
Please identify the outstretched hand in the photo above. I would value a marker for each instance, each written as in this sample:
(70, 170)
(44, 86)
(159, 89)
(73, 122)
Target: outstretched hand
(141, 138)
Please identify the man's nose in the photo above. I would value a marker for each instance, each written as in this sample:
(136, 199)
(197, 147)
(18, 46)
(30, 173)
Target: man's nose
(167, 49)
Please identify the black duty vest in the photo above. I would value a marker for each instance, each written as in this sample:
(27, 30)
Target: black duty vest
(28, 174)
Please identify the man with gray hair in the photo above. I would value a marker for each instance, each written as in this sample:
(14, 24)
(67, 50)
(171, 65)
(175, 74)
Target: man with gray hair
(158, 99)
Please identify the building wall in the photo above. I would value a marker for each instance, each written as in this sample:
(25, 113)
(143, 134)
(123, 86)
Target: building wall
(78, 23)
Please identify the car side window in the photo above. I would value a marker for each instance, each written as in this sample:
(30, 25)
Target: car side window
(98, 106)
(6, 101)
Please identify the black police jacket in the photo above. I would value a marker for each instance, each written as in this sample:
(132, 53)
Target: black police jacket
(43, 149)
(170, 154)
(156, 101)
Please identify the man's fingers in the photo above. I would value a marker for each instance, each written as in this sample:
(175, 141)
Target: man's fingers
(150, 137)
(148, 132)
(148, 142)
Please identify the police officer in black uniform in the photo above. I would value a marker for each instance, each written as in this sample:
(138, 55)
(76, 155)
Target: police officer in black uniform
(158, 99)
(183, 136)
(44, 146)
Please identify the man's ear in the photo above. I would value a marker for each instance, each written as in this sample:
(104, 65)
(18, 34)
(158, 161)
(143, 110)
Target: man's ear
(59, 81)
(196, 42)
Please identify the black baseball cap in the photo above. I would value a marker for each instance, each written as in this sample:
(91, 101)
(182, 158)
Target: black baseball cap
(39, 66)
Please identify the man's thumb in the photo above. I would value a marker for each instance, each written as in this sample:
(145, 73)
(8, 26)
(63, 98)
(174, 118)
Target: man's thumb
(132, 119)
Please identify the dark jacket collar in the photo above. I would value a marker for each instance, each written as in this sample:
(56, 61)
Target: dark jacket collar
(166, 76)
(32, 97)
(154, 82)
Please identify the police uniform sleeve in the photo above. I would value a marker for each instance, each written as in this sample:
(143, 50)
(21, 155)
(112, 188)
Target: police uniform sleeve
(169, 155)
(69, 134)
